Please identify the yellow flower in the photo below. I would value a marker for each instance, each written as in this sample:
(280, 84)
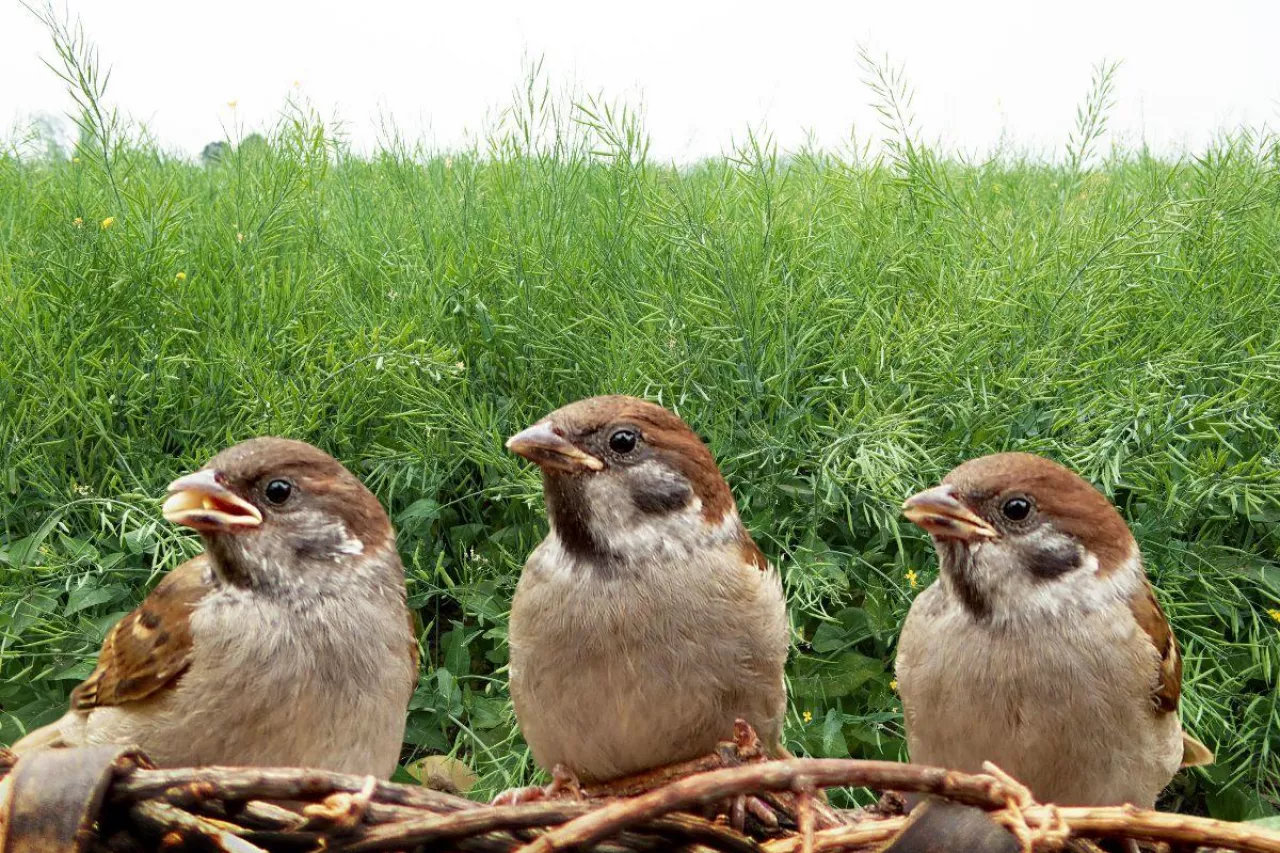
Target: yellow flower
(1274, 614)
(808, 716)
(239, 237)
(75, 159)
(77, 222)
(108, 222)
(893, 685)
(181, 276)
(912, 578)
(232, 104)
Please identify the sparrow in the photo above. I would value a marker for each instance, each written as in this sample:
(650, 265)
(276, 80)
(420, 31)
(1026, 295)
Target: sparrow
(1041, 646)
(647, 621)
(286, 643)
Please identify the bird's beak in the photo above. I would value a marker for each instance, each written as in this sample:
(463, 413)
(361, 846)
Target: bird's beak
(938, 511)
(199, 500)
(545, 447)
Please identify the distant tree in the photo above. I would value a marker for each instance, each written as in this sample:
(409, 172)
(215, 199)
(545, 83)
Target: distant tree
(254, 145)
(49, 136)
(213, 153)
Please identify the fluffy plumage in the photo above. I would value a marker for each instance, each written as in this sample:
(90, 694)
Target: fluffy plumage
(1041, 646)
(648, 620)
(286, 643)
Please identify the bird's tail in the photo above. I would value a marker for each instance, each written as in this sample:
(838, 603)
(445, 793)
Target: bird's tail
(1194, 753)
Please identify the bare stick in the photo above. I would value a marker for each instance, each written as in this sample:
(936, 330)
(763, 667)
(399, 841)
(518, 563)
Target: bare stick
(842, 837)
(424, 828)
(170, 822)
(1088, 821)
(1098, 821)
(183, 786)
(706, 788)
(716, 836)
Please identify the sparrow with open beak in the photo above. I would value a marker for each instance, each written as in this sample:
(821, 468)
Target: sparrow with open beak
(647, 621)
(1041, 646)
(286, 643)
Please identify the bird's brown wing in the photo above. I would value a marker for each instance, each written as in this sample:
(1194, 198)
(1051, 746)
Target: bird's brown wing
(1168, 689)
(1151, 619)
(751, 553)
(150, 647)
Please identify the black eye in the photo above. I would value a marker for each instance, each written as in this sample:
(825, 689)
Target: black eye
(278, 491)
(623, 441)
(1016, 509)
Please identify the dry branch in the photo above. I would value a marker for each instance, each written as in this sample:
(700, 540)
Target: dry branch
(170, 823)
(843, 837)
(186, 786)
(796, 774)
(1129, 822)
(239, 810)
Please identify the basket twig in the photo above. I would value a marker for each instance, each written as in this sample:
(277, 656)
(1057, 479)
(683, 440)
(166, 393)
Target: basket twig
(797, 774)
(249, 810)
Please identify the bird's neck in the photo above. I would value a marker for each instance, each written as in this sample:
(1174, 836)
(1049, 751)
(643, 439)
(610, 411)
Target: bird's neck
(292, 577)
(613, 536)
(992, 587)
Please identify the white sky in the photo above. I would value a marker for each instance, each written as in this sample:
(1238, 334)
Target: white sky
(704, 71)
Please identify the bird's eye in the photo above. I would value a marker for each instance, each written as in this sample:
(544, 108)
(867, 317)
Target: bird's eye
(623, 441)
(278, 491)
(1016, 509)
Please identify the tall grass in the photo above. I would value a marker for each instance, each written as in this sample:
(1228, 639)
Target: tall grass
(842, 328)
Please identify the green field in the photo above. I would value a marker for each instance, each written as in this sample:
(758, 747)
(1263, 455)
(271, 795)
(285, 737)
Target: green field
(842, 328)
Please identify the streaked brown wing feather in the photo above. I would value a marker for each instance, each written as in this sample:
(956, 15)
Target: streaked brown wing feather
(751, 553)
(415, 628)
(150, 647)
(1151, 619)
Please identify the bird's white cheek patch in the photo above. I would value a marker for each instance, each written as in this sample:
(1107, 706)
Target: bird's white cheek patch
(1022, 597)
(641, 536)
(337, 538)
(350, 544)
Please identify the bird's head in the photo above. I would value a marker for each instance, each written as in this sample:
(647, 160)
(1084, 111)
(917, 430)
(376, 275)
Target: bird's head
(1016, 532)
(274, 512)
(626, 480)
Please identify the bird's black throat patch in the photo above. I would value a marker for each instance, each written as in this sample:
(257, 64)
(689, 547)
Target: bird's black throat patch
(957, 565)
(228, 559)
(570, 514)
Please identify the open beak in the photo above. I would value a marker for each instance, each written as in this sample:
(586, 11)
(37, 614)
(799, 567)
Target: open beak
(545, 447)
(938, 511)
(198, 500)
